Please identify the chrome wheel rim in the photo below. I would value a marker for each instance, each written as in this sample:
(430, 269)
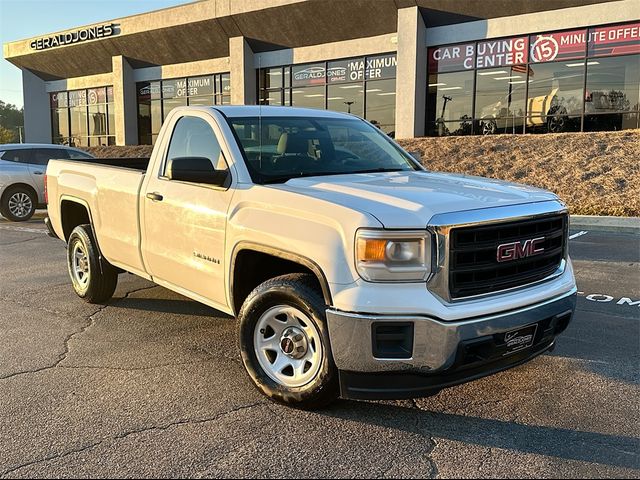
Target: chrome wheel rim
(487, 128)
(80, 265)
(20, 204)
(288, 346)
(556, 124)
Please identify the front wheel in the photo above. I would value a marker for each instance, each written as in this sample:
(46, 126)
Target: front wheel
(93, 278)
(284, 342)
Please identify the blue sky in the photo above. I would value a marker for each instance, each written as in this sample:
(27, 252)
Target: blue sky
(28, 18)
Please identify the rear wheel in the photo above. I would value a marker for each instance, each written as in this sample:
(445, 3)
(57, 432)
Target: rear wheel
(93, 278)
(284, 342)
(18, 204)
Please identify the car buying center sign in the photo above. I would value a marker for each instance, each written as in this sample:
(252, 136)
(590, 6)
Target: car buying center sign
(544, 47)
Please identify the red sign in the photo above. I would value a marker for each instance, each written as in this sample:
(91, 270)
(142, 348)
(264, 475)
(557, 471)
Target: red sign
(451, 58)
(501, 53)
(548, 47)
(617, 40)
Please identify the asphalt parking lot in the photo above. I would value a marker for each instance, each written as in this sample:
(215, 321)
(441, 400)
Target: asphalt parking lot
(152, 385)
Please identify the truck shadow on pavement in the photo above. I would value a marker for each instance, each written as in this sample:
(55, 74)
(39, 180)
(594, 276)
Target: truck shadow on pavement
(614, 450)
(168, 305)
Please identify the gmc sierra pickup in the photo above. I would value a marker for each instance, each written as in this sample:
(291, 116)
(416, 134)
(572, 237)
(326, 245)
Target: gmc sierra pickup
(352, 270)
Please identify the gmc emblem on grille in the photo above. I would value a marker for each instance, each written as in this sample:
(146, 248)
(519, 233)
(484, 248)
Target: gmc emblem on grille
(523, 249)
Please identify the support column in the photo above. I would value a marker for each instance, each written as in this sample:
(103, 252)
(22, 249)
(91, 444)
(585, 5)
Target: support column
(37, 111)
(125, 102)
(243, 73)
(411, 76)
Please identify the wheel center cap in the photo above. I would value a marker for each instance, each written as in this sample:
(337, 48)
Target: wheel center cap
(293, 343)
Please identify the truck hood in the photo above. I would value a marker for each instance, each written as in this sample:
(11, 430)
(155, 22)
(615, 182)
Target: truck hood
(411, 199)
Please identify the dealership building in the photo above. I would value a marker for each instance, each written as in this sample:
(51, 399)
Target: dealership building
(411, 67)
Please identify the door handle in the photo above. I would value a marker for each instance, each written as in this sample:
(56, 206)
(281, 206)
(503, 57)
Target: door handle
(156, 197)
(38, 173)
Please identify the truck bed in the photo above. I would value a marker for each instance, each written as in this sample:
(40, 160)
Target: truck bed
(109, 188)
(136, 163)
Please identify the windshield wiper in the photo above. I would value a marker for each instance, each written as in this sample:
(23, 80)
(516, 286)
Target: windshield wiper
(381, 170)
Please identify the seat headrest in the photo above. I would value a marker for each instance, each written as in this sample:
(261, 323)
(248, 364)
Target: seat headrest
(292, 143)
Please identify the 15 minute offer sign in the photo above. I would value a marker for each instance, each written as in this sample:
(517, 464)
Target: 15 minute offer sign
(537, 48)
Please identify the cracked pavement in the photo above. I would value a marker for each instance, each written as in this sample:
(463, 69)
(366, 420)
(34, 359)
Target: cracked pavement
(151, 385)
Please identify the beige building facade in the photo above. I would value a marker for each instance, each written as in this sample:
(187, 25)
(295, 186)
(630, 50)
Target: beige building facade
(412, 67)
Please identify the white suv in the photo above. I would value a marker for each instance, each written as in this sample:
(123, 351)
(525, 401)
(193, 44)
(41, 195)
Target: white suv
(22, 168)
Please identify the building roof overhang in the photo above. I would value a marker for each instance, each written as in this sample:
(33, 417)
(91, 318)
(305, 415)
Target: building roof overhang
(201, 30)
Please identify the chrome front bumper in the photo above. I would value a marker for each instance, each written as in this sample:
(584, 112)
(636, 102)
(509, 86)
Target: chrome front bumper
(436, 343)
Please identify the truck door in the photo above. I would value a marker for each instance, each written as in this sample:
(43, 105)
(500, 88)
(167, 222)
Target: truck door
(184, 222)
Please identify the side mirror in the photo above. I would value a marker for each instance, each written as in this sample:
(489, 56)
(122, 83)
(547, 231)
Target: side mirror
(195, 170)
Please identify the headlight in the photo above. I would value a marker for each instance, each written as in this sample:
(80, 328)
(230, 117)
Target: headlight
(388, 256)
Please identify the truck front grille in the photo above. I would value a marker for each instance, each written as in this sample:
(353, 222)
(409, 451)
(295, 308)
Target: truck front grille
(474, 268)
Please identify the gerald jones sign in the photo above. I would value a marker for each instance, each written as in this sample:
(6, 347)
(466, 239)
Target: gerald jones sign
(77, 36)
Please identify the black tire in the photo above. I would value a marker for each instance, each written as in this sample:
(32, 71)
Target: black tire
(101, 277)
(21, 200)
(300, 291)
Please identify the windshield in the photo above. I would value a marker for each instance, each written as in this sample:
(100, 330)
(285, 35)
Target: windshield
(292, 147)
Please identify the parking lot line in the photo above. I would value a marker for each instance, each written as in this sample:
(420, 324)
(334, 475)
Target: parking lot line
(23, 229)
(579, 234)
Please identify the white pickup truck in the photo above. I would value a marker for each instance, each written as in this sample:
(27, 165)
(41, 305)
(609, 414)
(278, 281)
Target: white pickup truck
(352, 270)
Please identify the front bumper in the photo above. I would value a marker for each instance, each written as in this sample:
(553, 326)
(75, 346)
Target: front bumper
(440, 353)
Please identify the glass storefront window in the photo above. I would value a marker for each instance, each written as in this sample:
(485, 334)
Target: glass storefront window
(83, 117)
(310, 74)
(98, 120)
(347, 97)
(224, 96)
(555, 88)
(310, 97)
(158, 98)
(553, 123)
(500, 99)
(79, 131)
(271, 78)
(613, 84)
(169, 104)
(111, 120)
(60, 125)
(585, 79)
(363, 86)
(381, 104)
(271, 97)
(205, 100)
(450, 97)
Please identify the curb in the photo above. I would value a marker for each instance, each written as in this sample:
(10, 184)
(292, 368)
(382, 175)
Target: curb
(606, 224)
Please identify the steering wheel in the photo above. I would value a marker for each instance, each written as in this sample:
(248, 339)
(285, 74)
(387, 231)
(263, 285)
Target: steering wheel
(347, 159)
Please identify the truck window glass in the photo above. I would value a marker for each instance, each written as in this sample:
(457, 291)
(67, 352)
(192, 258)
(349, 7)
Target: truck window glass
(193, 137)
(290, 147)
